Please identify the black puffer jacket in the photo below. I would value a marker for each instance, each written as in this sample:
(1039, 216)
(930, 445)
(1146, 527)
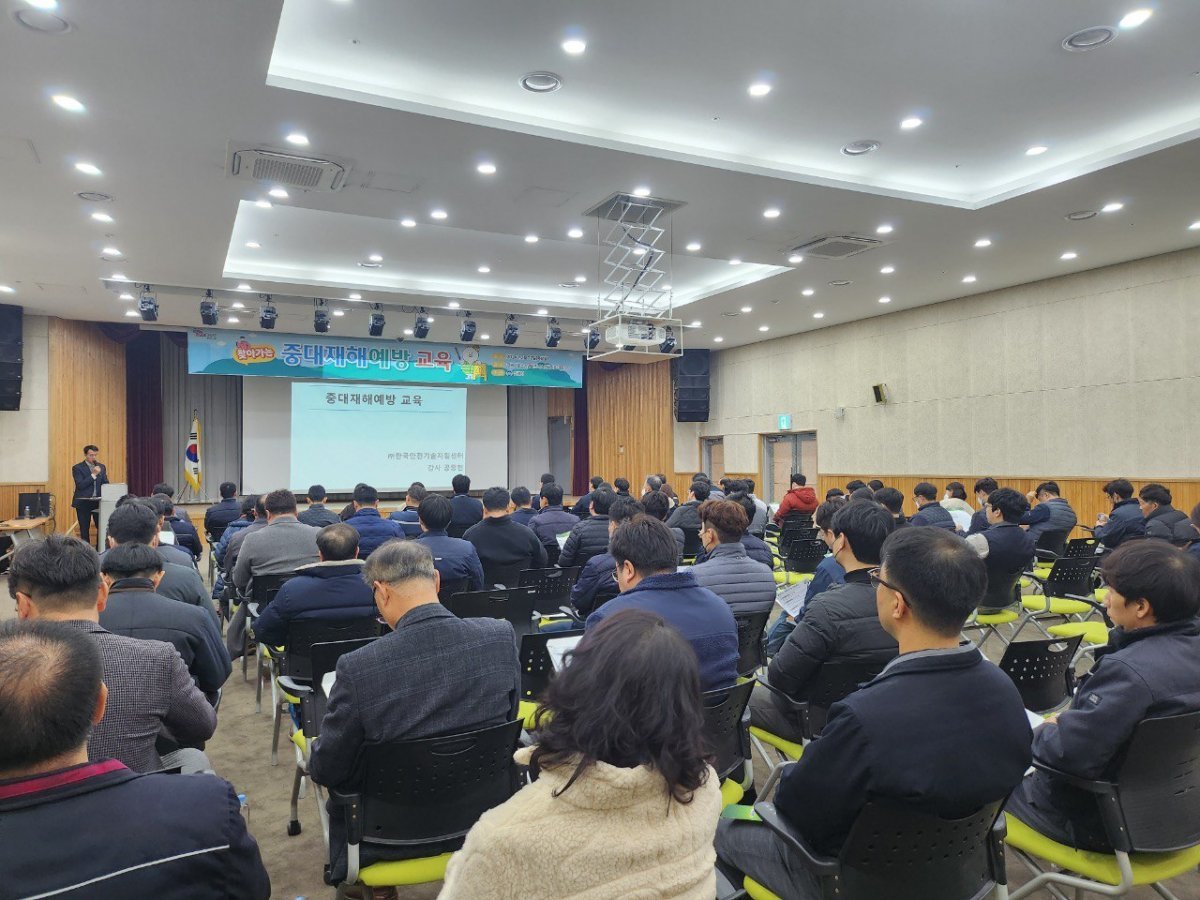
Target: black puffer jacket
(587, 539)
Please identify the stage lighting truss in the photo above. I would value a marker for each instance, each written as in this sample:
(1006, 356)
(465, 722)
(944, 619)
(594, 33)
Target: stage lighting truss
(210, 313)
(267, 314)
(421, 325)
(320, 317)
(376, 322)
(553, 333)
(148, 305)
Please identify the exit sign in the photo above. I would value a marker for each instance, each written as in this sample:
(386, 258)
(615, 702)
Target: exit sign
(785, 423)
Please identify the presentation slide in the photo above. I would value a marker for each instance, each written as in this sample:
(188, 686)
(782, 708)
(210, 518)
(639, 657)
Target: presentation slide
(346, 433)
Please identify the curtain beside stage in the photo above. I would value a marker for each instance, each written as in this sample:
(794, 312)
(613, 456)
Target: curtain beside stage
(144, 412)
(528, 437)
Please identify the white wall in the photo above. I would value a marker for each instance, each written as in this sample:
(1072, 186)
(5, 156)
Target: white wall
(25, 434)
(1095, 374)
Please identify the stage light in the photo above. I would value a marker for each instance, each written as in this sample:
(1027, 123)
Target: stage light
(668, 345)
(209, 314)
(376, 322)
(553, 333)
(320, 317)
(148, 305)
(267, 313)
(512, 330)
(466, 332)
(592, 339)
(421, 326)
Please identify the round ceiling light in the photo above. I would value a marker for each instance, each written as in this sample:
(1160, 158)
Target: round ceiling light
(94, 197)
(370, 265)
(567, 284)
(1088, 38)
(541, 82)
(1080, 215)
(42, 20)
(840, 283)
(860, 148)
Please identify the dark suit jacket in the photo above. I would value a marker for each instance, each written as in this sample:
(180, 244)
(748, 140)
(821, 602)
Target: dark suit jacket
(85, 487)
(435, 674)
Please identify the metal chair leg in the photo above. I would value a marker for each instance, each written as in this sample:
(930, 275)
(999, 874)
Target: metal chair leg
(293, 828)
(275, 738)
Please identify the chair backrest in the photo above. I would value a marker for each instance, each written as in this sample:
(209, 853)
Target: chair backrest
(1002, 591)
(514, 605)
(1071, 576)
(452, 587)
(1054, 541)
(324, 656)
(1158, 784)
(691, 541)
(553, 585)
(752, 640)
(456, 529)
(435, 789)
(1081, 547)
(793, 525)
(727, 725)
(553, 552)
(903, 853)
(302, 634)
(835, 681)
(1041, 670)
(805, 554)
(536, 668)
(508, 575)
(263, 588)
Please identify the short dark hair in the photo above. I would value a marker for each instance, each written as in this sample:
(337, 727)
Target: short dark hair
(985, 485)
(799, 478)
(941, 577)
(862, 493)
(925, 490)
(162, 502)
(596, 481)
(957, 490)
(552, 494)
(416, 491)
(743, 500)
(646, 543)
(365, 495)
(461, 483)
(316, 493)
(601, 502)
(133, 523)
(725, 483)
(249, 504)
(163, 488)
(654, 482)
(749, 482)
(700, 490)
(260, 506)
(521, 496)
(1011, 504)
(90, 447)
(228, 490)
(623, 509)
(891, 499)
(1050, 487)
(875, 484)
(59, 573)
(338, 542)
(630, 697)
(1119, 486)
(657, 504)
(280, 502)
(823, 517)
(621, 484)
(1154, 571)
(548, 478)
(1155, 493)
(495, 498)
(50, 675)
(1194, 518)
(726, 517)
(435, 511)
(834, 492)
(131, 561)
(866, 526)
(701, 476)
(854, 484)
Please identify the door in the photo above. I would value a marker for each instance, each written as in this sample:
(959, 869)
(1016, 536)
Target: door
(712, 456)
(560, 450)
(784, 454)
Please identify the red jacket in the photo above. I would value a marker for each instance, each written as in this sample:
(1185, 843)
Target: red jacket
(798, 499)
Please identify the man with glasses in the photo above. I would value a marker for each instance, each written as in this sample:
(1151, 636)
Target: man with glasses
(917, 734)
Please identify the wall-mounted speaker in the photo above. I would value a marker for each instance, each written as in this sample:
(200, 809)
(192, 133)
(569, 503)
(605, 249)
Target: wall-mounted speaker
(12, 361)
(881, 393)
(689, 386)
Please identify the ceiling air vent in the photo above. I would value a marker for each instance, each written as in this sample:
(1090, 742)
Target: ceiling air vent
(837, 247)
(287, 169)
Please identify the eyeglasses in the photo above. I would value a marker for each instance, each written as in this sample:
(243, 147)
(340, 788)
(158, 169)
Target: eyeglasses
(615, 578)
(876, 581)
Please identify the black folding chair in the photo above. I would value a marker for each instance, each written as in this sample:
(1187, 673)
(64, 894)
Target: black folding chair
(536, 668)
(1066, 593)
(691, 544)
(425, 793)
(752, 640)
(514, 605)
(802, 558)
(451, 587)
(727, 730)
(456, 530)
(1000, 606)
(1081, 547)
(794, 526)
(263, 589)
(553, 585)
(497, 577)
(1053, 541)
(1042, 671)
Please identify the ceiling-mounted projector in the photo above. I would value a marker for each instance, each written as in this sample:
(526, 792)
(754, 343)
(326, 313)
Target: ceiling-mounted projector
(641, 334)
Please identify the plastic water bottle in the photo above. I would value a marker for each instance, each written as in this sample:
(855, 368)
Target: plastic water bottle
(27, 515)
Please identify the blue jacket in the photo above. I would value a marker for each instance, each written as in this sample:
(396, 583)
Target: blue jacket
(979, 522)
(230, 530)
(933, 514)
(186, 535)
(373, 530)
(410, 522)
(756, 548)
(1055, 516)
(324, 590)
(218, 516)
(550, 522)
(465, 510)
(595, 585)
(702, 617)
(523, 515)
(455, 560)
(1125, 521)
(916, 733)
(829, 573)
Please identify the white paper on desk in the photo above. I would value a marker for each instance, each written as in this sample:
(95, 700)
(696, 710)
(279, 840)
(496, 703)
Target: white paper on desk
(327, 682)
(793, 597)
(558, 648)
(1034, 719)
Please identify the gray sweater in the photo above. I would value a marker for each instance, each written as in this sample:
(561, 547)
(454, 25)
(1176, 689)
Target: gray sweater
(283, 546)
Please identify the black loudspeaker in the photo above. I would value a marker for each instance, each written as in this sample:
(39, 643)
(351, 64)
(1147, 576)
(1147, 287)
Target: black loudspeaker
(689, 386)
(11, 357)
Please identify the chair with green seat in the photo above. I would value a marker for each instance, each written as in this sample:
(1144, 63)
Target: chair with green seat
(537, 669)
(803, 557)
(692, 545)
(752, 640)
(1066, 593)
(263, 589)
(1042, 671)
(1150, 811)
(424, 794)
(795, 528)
(514, 605)
(726, 726)
(999, 606)
(553, 585)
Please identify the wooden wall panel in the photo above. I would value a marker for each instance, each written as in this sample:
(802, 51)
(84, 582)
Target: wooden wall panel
(8, 497)
(560, 403)
(630, 431)
(1084, 494)
(87, 406)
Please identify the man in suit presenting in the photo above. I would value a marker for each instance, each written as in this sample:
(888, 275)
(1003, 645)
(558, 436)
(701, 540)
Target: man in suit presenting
(89, 476)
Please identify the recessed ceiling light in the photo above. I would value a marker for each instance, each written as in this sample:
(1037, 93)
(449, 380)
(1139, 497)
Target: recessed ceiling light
(233, 320)
(87, 168)
(574, 46)
(1088, 38)
(884, 229)
(887, 270)
(735, 262)
(126, 296)
(486, 168)
(409, 223)
(639, 251)
(119, 276)
(696, 324)
(808, 292)
(375, 257)
(1080, 215)
(531, 238)
(370, 265)
(968, 279)
(298, 138)
(253, 245)
(43, 4)
(339, 312)
(94, 197)
(6, 289)
(263, 204)
(641, 191)
(111, 251)
(1070, 254)
(795, 259)
(102, 217)
(541, 82)
(582, 279)
(718, 340)
(485, 337)
(818, 315)
(575, 233)
(910, 123)
(693, 247)
(1112, 207)
(69, 103)
(764, 327)
(483, 270)
(244, 287)
(1036, 150)
(453, 304)
(771, 212)
(759, 89)
(408, 332)
(1135, 18)
(438, 214)
(1195, 226)
(541, 312)
(278, 193)
(885, 299)
(747, 309)
(860, 148)
(567, 284)
(237, 304)
(132, 314)
(841, 282)
(983, 242)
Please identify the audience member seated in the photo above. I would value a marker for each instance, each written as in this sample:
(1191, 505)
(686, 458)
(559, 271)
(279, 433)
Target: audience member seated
(582, 506)
(1162, 520)
(834, 493)
(983, 487)
(349, 509)
(941, 728)
(714, 492)
(1051, 521)
(137, 523)
(621, 486)
(373, 529)
(862, 495)
(131, 573)
(1125, 521)
(283, 546)
(318, 515)
(77, 828)
(657, 505)
(234, 549)
(630, 784)
(762, 512)
(854, 484)
(644, 551)
(456, 561)
(842, 626)
(800, 498)
(547, 478)
(954, 501)
(185, 532)
(522, 502)
(686, 514)
(747, 586)
(596, 584)
(434, 674)
(652, 484)
(505, 548)
(756, 548)
(332, 589)
(218, 516)
(407, 517)
(170, 552)
(668, 491)
(876, 485)
(467, 510)
(1006, 548)
(552, 520)
(1194, 518)
(245, 520)
(1150, 668)
(149, 688)
(589, 537)
(829, 573)
(929, 511)
(893, 501)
